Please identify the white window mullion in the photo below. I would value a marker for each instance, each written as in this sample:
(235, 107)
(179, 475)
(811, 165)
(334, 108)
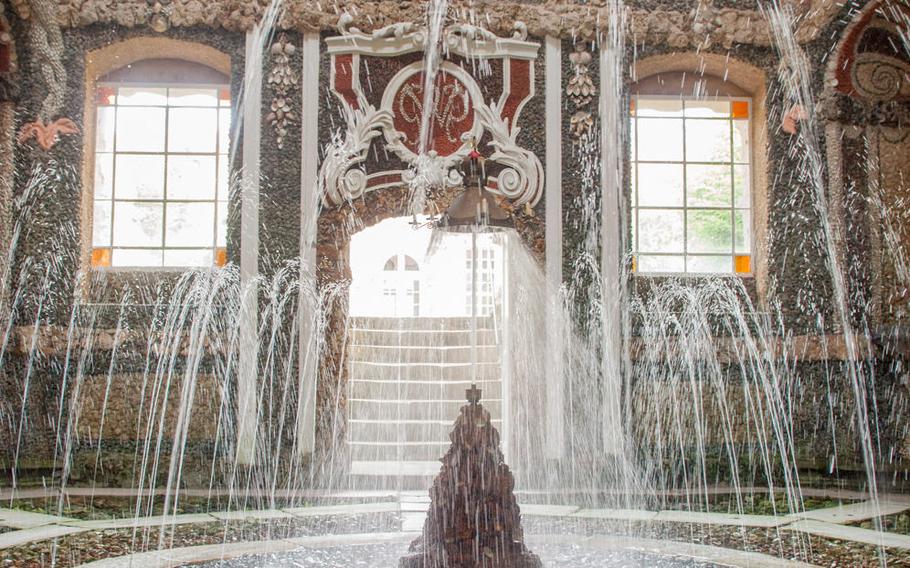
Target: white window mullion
(192, 155)
(717, 164)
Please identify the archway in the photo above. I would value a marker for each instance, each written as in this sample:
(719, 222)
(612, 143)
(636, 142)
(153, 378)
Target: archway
(409, 357)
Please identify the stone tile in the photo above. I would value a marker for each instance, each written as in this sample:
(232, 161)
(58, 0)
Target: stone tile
(722, 556)
(414, 496)
(26, 519)
(32, 493)
(854, 534)
(547, 510)
(855, 512)
(107, 492)
(191, 554)
(618, 514)
(133, 522)
(354, 509)
(415, 506)
(350, 539)
(264, 514)
(35, 534)
(724, 519)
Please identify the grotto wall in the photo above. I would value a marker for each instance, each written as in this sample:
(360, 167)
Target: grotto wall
(860, 125)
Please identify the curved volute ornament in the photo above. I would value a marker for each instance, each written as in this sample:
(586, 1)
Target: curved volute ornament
(460, 111)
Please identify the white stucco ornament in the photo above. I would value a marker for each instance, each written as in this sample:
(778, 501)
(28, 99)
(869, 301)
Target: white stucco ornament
(391, 114)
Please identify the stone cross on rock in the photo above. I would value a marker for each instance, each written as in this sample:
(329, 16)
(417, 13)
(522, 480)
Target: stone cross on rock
(473, 394)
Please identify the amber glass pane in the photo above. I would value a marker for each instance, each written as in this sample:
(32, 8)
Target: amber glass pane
(105, 95)
(740, 109)
(101, 257)
(743, 264)
(220, 256)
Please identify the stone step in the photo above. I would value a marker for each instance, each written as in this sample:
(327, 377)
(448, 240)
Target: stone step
(414, 451)
(366, 370)
(421, 338)
(423, 390)
(425, 469)
(432, 324)
(426, 409)
(402, 431)
(428, 354)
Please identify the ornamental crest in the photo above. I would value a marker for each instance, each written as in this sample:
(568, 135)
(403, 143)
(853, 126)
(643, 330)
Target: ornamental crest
(452, 117)
(379, 78)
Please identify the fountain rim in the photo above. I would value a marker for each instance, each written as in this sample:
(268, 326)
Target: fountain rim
(185, 556)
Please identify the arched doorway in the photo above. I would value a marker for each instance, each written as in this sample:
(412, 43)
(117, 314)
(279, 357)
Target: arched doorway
(410, 358)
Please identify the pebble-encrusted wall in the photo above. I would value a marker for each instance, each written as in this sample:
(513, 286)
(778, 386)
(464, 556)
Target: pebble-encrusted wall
(679, 23)
(53, 235)
(797, 280)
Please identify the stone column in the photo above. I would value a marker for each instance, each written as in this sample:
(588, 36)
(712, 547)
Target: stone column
(247, 384)
(612, 147)
(309, 216)
(555, 379)
(7, 128)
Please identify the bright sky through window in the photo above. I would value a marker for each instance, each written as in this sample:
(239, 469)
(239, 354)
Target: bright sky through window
(161, 176)
(691, 189)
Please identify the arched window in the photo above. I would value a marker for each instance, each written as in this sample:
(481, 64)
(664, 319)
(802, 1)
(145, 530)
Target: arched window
(159, 189)
(401, 291)
(693, 171)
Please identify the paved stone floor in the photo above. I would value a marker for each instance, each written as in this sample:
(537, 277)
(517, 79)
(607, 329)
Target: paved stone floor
(24, 527)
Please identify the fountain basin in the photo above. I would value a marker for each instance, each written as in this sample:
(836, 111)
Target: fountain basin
(382, 550)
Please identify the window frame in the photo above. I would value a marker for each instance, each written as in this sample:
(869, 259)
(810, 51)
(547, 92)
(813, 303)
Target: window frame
(165, 153)
(634, 208)
(94, 284)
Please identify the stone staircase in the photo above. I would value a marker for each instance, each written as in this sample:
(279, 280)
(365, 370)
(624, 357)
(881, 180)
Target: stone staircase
(407, 382)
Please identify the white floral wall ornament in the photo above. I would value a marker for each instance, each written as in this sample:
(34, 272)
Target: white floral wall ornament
(340, 178)
(282, 79)
(581, 91)
(521, 180)
(160, 15)
(460, 113)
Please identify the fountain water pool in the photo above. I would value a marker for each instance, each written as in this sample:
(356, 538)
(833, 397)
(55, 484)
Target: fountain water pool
(385, 555)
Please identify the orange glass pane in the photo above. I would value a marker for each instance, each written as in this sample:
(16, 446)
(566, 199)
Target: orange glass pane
(105, 95)
(743, 264)
(632, 107)
(220, 256)
(740, 109)
(101, 257)
(634, 263)
(224, 95)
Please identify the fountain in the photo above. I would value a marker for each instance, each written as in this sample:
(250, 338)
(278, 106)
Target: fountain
(251, 256)
(473, 518)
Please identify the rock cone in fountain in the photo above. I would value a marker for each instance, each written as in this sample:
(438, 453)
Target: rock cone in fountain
(473, 520)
